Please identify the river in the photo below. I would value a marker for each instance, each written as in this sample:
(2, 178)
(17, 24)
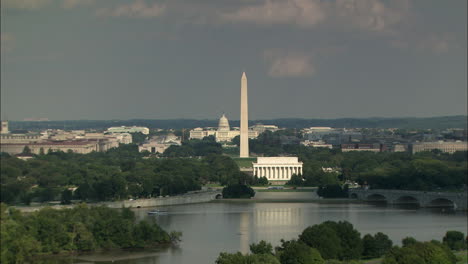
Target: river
(211, 228)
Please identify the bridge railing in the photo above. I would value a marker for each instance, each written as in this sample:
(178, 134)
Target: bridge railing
(452, 194)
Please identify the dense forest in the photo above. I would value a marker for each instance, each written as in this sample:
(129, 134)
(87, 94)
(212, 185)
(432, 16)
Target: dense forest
(82, 228)
(404, 122)
(339, 243)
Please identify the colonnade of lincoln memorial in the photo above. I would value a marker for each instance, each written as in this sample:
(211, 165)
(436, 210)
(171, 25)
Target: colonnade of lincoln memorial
(277, 168)
(278, 172)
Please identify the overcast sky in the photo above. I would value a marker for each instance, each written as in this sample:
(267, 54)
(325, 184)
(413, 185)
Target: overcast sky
(113, 59)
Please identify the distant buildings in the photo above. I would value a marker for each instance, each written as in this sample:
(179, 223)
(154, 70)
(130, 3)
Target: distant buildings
(77, 141)
(316, 144)
(363, 147)
(160, 143)
(124, 129)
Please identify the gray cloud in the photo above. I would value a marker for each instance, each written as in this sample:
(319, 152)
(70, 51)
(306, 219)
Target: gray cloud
(136, 9)
(67, 4)
(7, 42)
(25, 4)
(289, 64)
(297, 12)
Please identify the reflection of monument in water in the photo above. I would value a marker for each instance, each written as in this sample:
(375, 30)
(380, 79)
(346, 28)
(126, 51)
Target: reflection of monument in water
(244, 232)
(277, 217)
(266, 218)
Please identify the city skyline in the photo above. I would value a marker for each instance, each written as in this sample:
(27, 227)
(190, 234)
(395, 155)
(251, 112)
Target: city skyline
(98, 60)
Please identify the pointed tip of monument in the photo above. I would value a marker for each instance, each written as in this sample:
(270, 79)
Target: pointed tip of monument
(243, 74)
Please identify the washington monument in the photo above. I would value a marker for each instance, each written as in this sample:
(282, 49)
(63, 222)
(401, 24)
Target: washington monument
(244, 119)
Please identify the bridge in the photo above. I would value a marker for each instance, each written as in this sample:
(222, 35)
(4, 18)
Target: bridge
(456, 200)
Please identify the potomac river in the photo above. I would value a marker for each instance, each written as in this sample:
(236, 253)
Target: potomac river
(210, 228)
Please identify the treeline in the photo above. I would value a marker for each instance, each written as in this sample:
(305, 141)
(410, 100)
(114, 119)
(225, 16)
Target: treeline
(338, 242)
(195, 148)
(82, 228)
(120, 173)
(407, 122)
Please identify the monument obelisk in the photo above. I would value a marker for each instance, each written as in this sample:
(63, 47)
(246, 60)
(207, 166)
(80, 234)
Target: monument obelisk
(244, 119)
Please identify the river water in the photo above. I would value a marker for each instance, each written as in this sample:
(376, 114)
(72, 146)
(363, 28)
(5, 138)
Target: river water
(211, 228)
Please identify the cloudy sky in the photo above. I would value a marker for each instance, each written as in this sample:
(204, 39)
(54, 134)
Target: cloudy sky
(158, 59)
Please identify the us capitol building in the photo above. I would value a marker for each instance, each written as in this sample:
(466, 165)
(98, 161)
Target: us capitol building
(224, 133)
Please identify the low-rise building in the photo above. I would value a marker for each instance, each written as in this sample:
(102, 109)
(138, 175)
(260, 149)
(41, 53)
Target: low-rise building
(316, 144)
(363, 147)
(444, 146)
(159, 144)
(125, 129)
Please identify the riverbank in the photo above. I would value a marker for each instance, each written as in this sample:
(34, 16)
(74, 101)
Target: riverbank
(189, 198)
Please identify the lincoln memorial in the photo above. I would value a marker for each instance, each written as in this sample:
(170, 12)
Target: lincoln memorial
(277, 170)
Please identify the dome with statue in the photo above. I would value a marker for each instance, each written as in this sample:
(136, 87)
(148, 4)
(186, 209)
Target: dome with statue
(223, 124)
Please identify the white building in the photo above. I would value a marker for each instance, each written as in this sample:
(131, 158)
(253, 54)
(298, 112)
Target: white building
(4, 128)
(159, 144)
(316, 144)
(124, 129)
(260, 128)
(278, 170)
(449, 147)
(222, 134)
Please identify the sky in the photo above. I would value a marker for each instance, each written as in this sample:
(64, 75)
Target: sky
(164, 59)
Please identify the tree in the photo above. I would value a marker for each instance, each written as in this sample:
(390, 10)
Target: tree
(26, 150)
(324, 239)
(335, 240)
(420, 253)
(261, 248)
(238, 191)
(66, 197)
(455, 240)
(238, 258)
(376, 246)
(407, 241)
(296, 180)
(296, 252)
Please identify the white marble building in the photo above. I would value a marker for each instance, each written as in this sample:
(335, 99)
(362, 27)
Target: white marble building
(223, 133)
(277, 169)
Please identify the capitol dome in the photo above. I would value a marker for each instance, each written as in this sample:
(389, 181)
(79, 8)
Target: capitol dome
(223, 124)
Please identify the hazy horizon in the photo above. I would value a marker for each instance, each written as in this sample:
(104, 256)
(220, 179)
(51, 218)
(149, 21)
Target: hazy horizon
(180, 59)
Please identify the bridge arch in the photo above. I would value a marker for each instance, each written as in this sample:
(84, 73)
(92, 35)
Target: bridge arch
(376, 197)
(407, 199)
(219, 196)
(442, 202)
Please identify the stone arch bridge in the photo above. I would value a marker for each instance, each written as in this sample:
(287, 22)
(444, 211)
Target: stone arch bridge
(456, 200)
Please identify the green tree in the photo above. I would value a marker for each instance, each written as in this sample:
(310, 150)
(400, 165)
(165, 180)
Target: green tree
(261, 248)
(66, 197)
(296, 252)
(455, 240)
(238, 258)
(238, 191)
(376, 246)
(324, 239)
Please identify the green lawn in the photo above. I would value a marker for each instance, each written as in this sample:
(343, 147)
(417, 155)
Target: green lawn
(463, 255)
(245, 162)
